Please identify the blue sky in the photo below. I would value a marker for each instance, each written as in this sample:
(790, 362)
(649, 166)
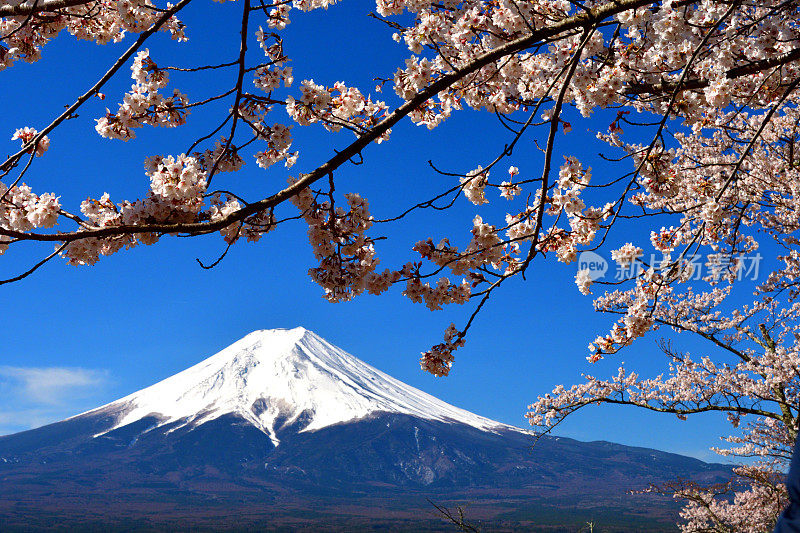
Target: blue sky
(77, 337)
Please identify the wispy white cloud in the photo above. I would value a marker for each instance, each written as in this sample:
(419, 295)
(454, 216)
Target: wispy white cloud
(33, 396)
(52, 385)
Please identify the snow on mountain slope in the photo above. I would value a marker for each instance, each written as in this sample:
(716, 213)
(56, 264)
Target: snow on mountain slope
(273, 377)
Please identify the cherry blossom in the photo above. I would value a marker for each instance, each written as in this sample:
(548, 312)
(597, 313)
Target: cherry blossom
(27, 135)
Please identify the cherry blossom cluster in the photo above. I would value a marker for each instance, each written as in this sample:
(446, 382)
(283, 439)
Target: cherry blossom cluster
(346, 255)
(584, 222)
(177, 188)
(23, 210)
(179, 180)
(101, 21)
(563, 202)
(144, 104)
(439, 359)
(691, 386)
(753, 508)
(279, 141)
(507, 189)
(644, 54)
(442, 293)
(764, 438)
(760, 382)
(627, 254)
(27, 135)
(278, 137)
(485, 250)
(252, 228)
(335, 107)
(474, 184)
(267, 78)
(223, 158)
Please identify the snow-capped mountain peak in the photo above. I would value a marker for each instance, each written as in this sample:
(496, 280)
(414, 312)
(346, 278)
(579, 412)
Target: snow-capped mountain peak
(273, 378)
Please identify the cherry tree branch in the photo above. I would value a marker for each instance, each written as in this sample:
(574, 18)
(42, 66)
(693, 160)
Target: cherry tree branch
(580, 20)
(666, 87)
(12, 161)
(33, 6)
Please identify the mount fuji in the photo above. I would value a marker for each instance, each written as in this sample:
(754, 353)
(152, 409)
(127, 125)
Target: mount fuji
(274, 379)
(282, 428)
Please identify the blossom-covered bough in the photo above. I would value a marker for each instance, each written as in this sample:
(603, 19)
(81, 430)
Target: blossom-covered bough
(704, 105)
